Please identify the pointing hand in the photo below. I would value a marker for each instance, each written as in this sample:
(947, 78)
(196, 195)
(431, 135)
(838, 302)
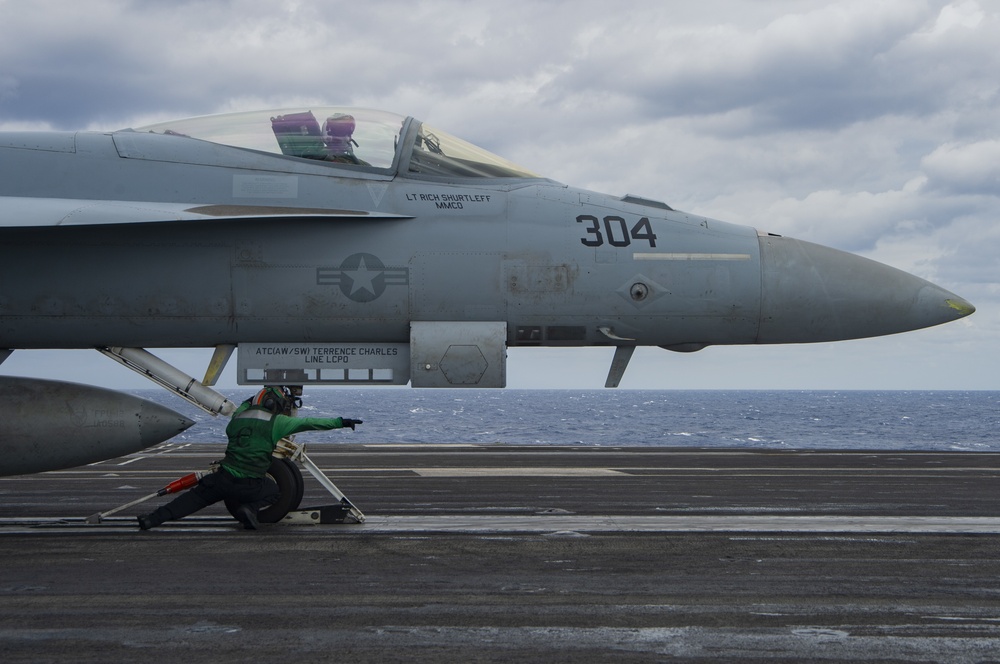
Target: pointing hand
(350, 423)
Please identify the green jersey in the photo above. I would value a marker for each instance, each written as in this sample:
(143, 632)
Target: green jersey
(254, 432)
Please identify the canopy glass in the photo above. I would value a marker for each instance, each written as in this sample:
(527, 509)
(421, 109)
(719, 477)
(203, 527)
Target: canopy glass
(352, 136)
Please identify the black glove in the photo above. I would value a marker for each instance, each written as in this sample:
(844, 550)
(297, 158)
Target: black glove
(350, 423)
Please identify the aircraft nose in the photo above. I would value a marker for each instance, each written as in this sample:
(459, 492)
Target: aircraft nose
(814, 293)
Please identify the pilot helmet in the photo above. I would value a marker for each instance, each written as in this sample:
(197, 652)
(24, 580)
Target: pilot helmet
(273, 399)
(337, 132)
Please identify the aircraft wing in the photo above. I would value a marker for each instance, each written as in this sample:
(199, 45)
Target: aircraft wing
(25, 212)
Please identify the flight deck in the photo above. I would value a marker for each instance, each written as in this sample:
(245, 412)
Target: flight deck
(495, 552)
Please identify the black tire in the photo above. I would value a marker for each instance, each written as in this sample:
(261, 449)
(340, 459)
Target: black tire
(290, 489)
(300, 488)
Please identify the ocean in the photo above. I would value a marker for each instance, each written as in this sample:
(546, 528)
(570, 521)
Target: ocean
(853, 420)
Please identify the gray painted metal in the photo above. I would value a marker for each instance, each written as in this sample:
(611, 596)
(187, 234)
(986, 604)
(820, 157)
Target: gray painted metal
(323, 364)
(49, 425)
(458, 354)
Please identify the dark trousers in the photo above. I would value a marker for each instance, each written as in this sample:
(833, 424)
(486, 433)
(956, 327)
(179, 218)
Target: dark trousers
(255, 492)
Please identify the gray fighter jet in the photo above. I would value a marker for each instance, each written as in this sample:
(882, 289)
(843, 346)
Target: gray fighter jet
(351, 246)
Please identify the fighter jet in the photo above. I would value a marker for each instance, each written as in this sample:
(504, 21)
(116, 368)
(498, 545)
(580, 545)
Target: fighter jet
(353, 246)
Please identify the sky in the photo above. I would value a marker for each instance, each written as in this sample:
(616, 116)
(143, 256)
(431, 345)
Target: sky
(868, 126)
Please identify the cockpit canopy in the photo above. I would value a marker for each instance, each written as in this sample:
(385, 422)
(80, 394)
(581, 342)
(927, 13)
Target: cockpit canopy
(357, 137)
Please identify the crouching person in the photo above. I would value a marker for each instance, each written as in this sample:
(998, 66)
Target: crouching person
(253, 431)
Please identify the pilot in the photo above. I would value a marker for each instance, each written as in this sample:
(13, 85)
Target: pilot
(338, 132)
(254, 431)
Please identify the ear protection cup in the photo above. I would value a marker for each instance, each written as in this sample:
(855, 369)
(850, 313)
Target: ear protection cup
(273, 399)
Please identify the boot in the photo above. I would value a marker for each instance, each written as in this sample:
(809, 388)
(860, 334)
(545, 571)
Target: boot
(248, 517)
(147, 521)
(153, 519)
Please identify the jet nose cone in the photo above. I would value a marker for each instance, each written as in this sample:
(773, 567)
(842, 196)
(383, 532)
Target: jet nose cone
(962, 307)
(813, 293)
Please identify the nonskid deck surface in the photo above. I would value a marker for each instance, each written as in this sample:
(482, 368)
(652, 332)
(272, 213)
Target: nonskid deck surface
(536, 488)
(489, 552)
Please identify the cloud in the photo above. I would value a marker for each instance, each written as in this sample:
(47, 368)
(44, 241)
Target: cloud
(965, 169)
(8, 87)
(826, 67)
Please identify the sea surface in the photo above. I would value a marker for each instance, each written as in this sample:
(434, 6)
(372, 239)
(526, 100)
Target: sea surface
(857, 420)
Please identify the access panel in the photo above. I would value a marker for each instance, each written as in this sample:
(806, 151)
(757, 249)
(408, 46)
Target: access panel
(458, 354)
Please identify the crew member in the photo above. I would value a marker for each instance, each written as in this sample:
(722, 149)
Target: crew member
(338, 136)
(254, 431)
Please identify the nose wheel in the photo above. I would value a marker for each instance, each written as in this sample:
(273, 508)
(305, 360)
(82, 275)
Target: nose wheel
(291, 486)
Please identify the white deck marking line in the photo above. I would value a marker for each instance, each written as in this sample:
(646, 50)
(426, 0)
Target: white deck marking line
(567, 525)
(514, 472)
(738, 523)
(330, 466)
(141, 455)
(418, 446)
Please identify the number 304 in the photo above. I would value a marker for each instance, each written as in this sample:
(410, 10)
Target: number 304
(616, 230)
